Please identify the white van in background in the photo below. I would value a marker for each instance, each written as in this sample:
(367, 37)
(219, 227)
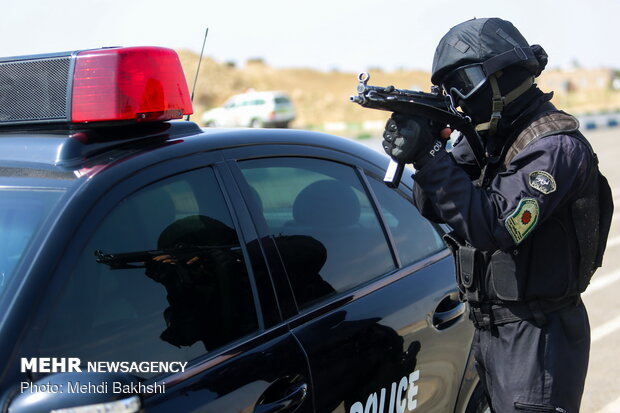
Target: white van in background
(253, 109)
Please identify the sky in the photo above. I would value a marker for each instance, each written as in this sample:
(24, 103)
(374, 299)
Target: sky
(345, 35)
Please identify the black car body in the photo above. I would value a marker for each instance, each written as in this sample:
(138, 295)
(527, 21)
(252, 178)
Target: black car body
(268, 270)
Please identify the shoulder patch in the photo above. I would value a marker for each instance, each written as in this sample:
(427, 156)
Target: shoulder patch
(523, 219)
(542, 181)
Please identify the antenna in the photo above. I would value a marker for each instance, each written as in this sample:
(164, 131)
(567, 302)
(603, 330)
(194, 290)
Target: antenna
(198, 69)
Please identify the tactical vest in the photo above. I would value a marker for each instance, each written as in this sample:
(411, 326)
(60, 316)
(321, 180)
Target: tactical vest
(560, 256)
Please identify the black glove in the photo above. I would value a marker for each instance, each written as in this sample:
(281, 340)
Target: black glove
(409, 139)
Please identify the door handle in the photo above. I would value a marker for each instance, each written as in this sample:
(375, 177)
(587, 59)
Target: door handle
(448, 311)
(288, 403)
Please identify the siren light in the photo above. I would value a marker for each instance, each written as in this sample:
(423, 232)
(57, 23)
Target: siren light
(141, 84)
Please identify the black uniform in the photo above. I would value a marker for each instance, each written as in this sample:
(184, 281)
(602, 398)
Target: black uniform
(529, 229)
(520, 264)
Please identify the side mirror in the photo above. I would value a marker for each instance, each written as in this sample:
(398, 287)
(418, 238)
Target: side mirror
(78, 393)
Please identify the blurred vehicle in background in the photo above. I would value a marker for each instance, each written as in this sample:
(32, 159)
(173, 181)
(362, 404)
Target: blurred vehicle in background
(253, 109)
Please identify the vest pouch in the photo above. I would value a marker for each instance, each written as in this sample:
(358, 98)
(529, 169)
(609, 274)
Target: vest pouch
(586, 215)
(606, 212)
(553, 258)
(592, 217)
(469, 266)
(507, 280)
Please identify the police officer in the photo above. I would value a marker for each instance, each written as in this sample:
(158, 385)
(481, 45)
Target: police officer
(529, 226)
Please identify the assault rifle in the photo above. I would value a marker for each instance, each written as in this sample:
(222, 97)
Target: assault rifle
(139, 259)
(434, 106)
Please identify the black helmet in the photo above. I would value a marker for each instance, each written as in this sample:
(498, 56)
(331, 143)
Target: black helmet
(492, 42)
(477, 51)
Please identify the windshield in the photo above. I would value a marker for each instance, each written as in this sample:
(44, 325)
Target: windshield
(22, 212)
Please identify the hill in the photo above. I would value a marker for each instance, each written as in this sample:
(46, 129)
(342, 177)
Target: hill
(323, 97)
(319, 97)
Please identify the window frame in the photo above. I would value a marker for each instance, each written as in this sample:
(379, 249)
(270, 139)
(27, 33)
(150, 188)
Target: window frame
(404, 190)
(358, 173)
(295, 316)
(94, 209)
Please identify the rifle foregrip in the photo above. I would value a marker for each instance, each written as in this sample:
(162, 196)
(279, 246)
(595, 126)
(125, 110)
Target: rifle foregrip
(394, 173)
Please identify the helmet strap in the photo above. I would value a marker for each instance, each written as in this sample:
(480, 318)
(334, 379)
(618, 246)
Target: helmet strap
(499, 102)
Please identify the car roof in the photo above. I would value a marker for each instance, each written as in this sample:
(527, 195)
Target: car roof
(65, 150)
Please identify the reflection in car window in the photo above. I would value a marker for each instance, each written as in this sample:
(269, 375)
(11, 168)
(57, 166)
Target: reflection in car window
(176, 287)
(415, 237)
(325, 227)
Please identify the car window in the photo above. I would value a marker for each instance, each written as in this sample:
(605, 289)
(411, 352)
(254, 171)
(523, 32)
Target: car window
(252, 102)
(325, 227)
(415, 237)
(282, 100)
(22, 211)
(190, 297)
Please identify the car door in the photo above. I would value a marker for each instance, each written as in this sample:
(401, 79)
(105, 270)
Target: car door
(204, 299)
(373, 284)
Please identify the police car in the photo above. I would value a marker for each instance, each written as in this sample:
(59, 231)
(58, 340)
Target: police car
(149, 265)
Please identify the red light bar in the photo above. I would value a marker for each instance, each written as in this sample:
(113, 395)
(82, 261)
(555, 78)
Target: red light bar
(139, 83)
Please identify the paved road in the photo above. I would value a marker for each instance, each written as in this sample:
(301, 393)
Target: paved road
(602, 392)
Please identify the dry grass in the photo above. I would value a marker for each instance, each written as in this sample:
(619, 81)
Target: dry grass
(321, 97)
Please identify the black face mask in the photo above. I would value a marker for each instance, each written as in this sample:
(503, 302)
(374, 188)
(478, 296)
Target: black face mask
(514, 116)
(478, 106)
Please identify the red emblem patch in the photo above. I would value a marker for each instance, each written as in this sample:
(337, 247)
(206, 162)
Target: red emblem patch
(526, 217)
